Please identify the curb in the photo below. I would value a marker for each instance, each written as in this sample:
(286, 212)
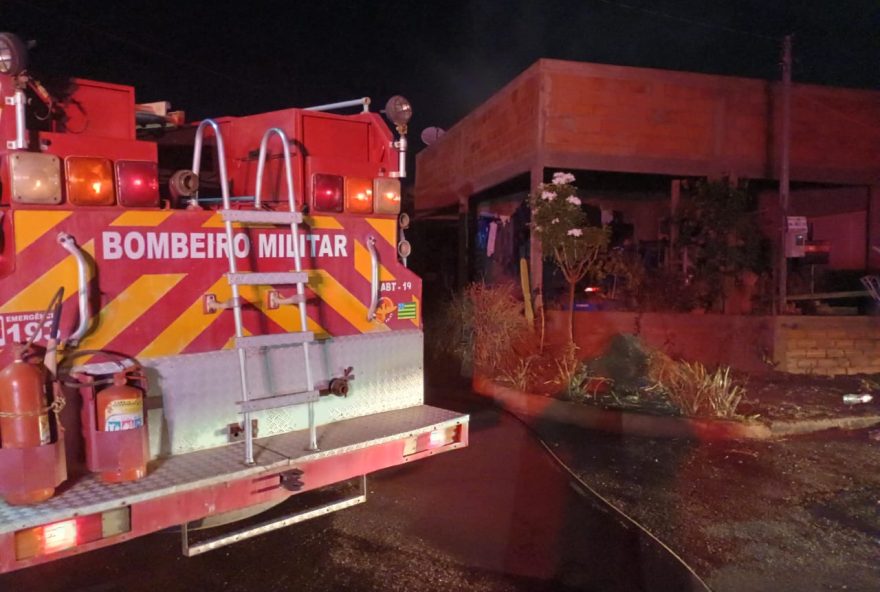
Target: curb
(534, 407)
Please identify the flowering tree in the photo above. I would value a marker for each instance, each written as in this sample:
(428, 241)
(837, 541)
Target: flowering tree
(562, 227)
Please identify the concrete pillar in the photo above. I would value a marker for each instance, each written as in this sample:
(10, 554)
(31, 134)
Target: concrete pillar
(464, 242)
(536, 253)
(674, 200)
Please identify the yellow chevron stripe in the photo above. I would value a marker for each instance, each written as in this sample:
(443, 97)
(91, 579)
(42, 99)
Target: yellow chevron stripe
(32, 224)
(36, 295)
(342, 301)
(415, 321)
(322, 223)
(288, 316)
(313, 222)
(128, 306)
(215, 221)
(386, 228)
(231, 341)
(185, 328)
(363, 266)
(141, 218)
(193, 321)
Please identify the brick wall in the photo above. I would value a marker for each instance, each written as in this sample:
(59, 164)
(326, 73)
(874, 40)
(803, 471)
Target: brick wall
(560, 114)
(491, 144)
(740, 341)
(800, 345)
(828, 345)
(656, 121)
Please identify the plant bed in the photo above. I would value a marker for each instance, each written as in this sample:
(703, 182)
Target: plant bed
(816, 412)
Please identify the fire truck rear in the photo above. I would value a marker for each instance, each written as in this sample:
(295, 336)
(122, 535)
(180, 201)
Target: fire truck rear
(197, 320)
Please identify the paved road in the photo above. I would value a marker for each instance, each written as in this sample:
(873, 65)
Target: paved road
(499, 515)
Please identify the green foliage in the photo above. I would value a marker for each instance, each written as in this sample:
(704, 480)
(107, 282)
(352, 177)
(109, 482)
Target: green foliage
(717, 226)
(482, 325)
(520, 373)
(561, 225)
(695, 390)
(628, 273)
(625, 363)
(572, 375)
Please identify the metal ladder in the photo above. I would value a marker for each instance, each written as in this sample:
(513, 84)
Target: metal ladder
(237, 278)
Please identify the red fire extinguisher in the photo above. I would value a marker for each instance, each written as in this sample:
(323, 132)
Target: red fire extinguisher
(24, 415)
(121, 407)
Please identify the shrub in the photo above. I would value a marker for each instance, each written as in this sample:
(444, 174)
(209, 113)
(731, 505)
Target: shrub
(484, 325)
(520, 373)
(695, 390)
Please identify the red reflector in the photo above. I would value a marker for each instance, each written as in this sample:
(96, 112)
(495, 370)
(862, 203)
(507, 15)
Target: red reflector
(327, 193)
(137, 183)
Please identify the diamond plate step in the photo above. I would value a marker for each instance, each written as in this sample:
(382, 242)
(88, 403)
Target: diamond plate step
(268, 278)
(257, 341)
(278, 401)
(261, 216)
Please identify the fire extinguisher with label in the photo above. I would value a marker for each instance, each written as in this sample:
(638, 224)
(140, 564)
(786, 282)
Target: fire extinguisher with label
(121, 407)
(24, 414)
(24, 404)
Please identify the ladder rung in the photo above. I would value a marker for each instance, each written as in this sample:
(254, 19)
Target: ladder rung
(255, 341)
(268, 279)
(277, 401)
(261, 216)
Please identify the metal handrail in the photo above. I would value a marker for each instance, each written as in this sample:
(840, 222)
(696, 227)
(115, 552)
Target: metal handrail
(365, 101)
(221, 159)
(233, 267)
(261, 165)
(82, 273)
(297, 258)
(374, 278)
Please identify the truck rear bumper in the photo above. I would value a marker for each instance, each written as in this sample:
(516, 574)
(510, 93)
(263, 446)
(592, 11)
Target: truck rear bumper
(189, 487)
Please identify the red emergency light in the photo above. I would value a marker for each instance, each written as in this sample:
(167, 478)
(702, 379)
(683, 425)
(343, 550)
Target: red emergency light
(137, 183)
(327, 193)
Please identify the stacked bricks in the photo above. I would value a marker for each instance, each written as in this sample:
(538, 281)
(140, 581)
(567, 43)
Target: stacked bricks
(828, 345)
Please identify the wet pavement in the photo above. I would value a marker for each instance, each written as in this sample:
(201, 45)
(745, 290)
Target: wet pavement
(498, 515)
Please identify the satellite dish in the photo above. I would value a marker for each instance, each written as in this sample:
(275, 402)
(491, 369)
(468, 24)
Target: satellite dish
(432, 134)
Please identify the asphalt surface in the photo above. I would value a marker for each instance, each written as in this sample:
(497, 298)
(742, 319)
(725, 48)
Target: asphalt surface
(498, 515)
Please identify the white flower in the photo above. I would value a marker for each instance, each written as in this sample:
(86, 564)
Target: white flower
(562, 178)
(573, 200)
(575, 232)
(555, 220)
(548, 195)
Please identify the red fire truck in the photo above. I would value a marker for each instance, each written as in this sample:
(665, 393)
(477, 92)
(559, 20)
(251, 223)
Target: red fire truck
(233, 321)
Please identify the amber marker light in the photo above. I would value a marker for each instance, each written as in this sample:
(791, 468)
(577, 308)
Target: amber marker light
(89, 181)
(358, 195)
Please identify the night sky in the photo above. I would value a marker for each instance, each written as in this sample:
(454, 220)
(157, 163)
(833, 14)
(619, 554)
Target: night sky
(222, 58)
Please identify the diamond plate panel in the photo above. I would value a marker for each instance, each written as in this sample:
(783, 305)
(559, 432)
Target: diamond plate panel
(200, 390)
(187, 472)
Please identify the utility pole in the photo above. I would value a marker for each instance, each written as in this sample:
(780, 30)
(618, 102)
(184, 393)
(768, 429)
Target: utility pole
(784, 157)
